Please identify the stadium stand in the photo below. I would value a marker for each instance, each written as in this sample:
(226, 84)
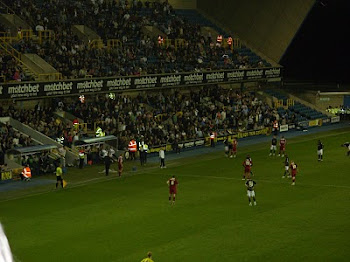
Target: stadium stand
(161, 118)
(11, 69)
(298, 111)
(137, 52)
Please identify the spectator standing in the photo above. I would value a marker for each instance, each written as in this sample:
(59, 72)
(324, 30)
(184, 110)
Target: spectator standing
(26, 173)
(59, 173)
(108, 162)
(81, 158)
(212, 139)
(162, 158)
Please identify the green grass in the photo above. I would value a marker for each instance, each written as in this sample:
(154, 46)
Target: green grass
(109, 219)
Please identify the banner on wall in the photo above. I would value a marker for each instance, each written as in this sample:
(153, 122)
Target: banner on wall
(6, 175)
(283, 128)
(31, 90)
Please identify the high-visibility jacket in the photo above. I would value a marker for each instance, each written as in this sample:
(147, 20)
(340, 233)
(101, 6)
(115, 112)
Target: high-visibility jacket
(132, 146)
(27, 172)
(219, 39)
(81, 154)
(275, 125)
(99, 132)
(229, 41)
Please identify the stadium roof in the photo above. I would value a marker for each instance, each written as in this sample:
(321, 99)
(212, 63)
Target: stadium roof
(95, 140)
(28, 150)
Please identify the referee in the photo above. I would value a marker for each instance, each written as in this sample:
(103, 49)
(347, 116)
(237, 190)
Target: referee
(59, 175)
(148, 258)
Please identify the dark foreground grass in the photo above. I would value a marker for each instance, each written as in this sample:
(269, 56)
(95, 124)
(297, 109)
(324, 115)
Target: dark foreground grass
(121, 219)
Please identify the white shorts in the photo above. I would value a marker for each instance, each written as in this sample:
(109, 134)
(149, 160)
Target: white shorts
(286, 168)
(320, 152)
(250, 193)
(226, 148)
(273, 147)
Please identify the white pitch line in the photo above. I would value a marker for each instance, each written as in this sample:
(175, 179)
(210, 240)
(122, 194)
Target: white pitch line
(87, 182)
(264, 180)
(99, 179)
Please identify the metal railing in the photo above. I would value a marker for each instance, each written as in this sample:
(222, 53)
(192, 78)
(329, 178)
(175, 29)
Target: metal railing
(18, 56)
(7, 8)
(44, 35)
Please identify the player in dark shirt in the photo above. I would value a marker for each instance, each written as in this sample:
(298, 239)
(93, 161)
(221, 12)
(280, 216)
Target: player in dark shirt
(286, 167)
(250, 191)
(320, 147)
(273, 146)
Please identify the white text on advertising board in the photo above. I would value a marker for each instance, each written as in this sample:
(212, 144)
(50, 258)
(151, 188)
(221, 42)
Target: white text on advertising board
(172, 80)
(90, 86)
(194, 79)
(25, 90)
(215, 77)
(119, 84)
(256, 73)
(60, 88)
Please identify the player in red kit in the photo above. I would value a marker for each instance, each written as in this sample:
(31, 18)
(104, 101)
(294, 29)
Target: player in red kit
(294, 169)
(172, 183)
(120, 165)
(283, 143)
(247, 164)
(234, 148)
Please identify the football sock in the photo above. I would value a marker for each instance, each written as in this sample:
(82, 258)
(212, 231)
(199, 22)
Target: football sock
(173, 199)
(254, 199)
(56, 184)
(169, 198)
(62, 184)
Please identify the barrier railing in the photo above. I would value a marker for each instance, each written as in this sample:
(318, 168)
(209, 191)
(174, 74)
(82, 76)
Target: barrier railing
(26, 34)
(114, 43)
(7, 9)
(96, 43)
(44, 35)
(49, 76)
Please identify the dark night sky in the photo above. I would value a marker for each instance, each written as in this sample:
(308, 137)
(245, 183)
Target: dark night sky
(320, 51)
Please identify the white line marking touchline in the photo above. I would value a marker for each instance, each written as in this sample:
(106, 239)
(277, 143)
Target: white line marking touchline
(130, 173)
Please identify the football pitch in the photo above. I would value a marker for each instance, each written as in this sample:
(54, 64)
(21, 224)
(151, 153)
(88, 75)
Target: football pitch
(110, 219)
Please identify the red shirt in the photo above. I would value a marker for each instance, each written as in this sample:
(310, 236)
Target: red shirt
(234, 144)
(247, 164)
(120, 161)
(293, 167)
(283, 142)
(172, 182)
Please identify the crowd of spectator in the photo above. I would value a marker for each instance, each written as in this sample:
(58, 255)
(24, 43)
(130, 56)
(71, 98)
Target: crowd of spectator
(40, 163)
(10, 69)
(161, 118)
(43, 120)
(139, 53)
(10, 138)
